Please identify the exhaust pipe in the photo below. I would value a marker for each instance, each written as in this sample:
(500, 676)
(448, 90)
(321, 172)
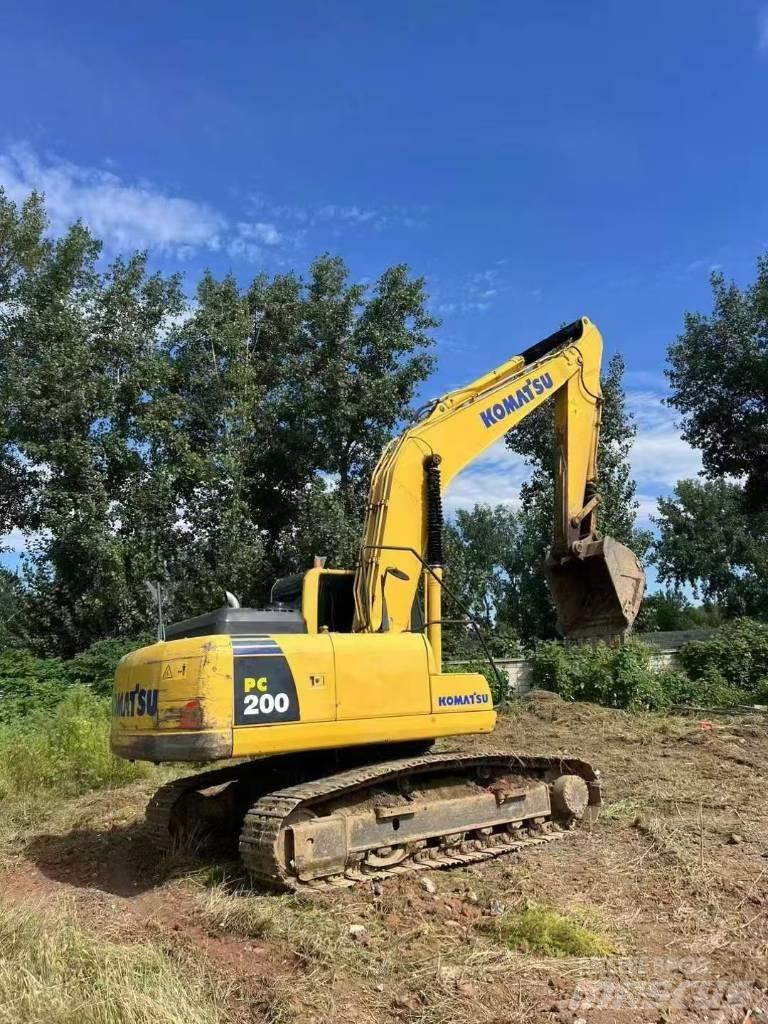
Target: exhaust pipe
(597, 590)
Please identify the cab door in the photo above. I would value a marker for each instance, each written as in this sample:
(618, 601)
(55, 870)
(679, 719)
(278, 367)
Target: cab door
(380, 675)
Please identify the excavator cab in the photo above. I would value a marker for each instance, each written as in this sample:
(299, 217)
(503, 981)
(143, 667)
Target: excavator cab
(597, 590)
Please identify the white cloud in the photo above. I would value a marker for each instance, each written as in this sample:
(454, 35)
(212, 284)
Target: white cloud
(129, 215)
(647, 506)
(252, 239)
(334, 216)
(660, 457)
(762, 29)
(446, 308)
(494, 479)
(14, 542)
(355, 214)
(260, 231)
(475, 296)
(123, 215)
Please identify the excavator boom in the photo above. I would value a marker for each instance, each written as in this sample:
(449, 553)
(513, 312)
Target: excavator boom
(597, 584)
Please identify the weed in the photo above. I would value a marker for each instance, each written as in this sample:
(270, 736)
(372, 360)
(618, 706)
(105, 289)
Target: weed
(313, 933)
(66, 748)
(623, 811)
(542, 930)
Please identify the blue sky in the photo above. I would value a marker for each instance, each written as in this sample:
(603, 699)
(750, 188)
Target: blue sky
(535, 161)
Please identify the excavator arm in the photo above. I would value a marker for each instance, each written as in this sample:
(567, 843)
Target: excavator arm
(596, 583)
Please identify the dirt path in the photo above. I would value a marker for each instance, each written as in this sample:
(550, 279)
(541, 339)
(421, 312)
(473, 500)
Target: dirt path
(674, 875)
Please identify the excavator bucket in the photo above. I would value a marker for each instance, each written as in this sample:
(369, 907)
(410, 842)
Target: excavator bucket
(598, 593)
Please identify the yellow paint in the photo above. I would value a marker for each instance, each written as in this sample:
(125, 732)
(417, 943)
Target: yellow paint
(377, 688)
(310, 656)
(456, 693)
(369, 686)
(434, 606)
(310, 593)
(287, 739)
(380, 675)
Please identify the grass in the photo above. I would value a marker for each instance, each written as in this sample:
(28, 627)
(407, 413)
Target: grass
(53, 972)
(66, 749)
(541, 930)
(314, 934)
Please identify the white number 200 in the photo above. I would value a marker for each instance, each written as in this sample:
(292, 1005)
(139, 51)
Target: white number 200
(265, 703)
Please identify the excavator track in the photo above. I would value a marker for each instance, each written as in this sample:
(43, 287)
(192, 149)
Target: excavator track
(162, 811)
(282, 825)
(179, 813)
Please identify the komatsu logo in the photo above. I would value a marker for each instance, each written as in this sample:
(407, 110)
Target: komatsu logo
(130, 703)
(533, 387)
(462, 698)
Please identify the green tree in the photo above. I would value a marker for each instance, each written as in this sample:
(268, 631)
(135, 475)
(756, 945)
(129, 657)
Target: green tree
(712, 539)
(78, 354)
(22, 249)
(479, 546)
(280, 400)
(13, 624)
(713, 534)
(718, 372)
(529, 607)
(208, 445)
(670, 610)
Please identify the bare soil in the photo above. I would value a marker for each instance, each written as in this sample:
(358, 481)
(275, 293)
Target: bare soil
(674, 874)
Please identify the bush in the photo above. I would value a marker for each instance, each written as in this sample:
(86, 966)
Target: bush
(711, 690)
(95, 667)
(730, 668)
(485, 669)
(736, 657)
(618, 677)
(66, 748)
(29, 684)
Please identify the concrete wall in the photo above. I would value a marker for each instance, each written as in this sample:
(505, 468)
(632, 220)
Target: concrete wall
(517, 670)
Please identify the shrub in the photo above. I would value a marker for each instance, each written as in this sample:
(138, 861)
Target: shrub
(485, 669)
(730, 668)
(29, 684)
(618, 677)
(736, 656)
(710, 690)
(66, 748)
(95, 667)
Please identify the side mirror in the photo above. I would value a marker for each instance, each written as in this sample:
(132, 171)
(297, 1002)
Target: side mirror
(397, 573)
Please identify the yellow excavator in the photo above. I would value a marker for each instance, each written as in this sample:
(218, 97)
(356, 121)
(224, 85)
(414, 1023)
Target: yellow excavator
(331, 699)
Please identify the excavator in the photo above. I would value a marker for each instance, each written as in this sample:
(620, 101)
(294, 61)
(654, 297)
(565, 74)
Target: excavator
(325, 707)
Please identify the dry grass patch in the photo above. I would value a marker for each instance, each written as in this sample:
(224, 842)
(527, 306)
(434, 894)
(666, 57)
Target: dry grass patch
(313, 933)
(53, 972)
